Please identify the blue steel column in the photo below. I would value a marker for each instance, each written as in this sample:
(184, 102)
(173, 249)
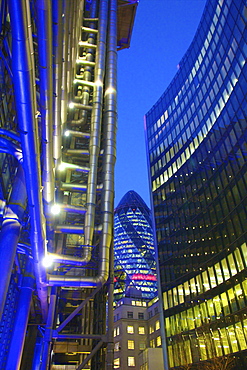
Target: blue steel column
(48, 331)
(10, 233)
(21, 321)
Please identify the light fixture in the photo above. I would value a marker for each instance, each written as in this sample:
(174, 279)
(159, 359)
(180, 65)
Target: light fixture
(55, 209)
(47, 261)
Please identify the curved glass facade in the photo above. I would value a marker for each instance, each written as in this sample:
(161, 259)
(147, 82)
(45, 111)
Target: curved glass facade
(134, 254)
(196, 143)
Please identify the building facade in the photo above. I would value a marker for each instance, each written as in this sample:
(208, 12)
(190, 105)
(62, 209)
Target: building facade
(136, 331)
(196, 145)
(58, 119)
(134, 253)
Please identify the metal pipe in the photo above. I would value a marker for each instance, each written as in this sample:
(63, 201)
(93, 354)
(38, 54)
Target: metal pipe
(6, 146)
(10, 232)
(21, 320)
(57, 52)
(13, 135)
(64, 87)
(96, 122)
(110, 118)
(44, 32)
(72, 229)
(26, 114)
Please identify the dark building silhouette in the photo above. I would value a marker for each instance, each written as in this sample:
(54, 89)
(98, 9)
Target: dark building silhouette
(196, 144)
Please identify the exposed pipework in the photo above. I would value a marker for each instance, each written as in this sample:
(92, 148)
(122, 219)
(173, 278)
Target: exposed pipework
(10, 233)
(25, 94)
(44, 27)
(109, 132)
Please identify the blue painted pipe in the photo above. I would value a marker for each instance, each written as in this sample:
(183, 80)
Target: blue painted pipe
(10, 233)
(25, 94)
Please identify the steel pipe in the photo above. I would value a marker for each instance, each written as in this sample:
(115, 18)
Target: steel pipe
(23, 78)
(110, 118)
(10, 232)
(44, 32)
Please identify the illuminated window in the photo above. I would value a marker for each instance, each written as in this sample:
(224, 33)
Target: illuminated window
(158, 341)
(151, 343)
(116, 363)
(151, 329)
(116, 331)
(141, 330)
(131, 344)
(131, 361)
(116, 346)
(130, 329)
(157, 325)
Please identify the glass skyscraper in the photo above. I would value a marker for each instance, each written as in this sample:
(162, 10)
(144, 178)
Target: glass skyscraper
(134, 253)
(196, 144)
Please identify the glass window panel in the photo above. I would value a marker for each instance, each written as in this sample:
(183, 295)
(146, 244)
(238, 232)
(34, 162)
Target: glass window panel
(210, 307)
(240, 295)
(225, 304)
(180, 293)
(217, 343)
(225, 269)
(190, 318)
(116, 363)
(168, 327)
(224, 341)
(219, 273)
(232, 300)
(131, 361)
(212, 277)
(130, 329)
(170, 356)
(184, 323)
(141, 330)
(205, 280)
(232, 265)
(199, 284)
(131, 344)
(244, 251)
(175, 296)
(217, 306)
(240, 336)
(233, 339)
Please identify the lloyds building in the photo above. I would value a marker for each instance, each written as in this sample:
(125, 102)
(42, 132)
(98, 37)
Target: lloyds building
(58, 118)
(196, 144)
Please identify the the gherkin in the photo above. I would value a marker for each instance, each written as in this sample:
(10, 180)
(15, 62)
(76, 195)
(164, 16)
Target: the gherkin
(134, 252)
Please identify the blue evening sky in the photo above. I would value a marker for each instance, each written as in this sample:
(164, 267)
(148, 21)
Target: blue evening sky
(163, 31)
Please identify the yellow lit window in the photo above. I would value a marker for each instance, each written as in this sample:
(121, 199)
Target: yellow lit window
(131, 344)
(116, 363)
(151, 329)
(131, 361)
(157, 325)
(116, 346)
(158, 341)
(130, 329)
(141, 330)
